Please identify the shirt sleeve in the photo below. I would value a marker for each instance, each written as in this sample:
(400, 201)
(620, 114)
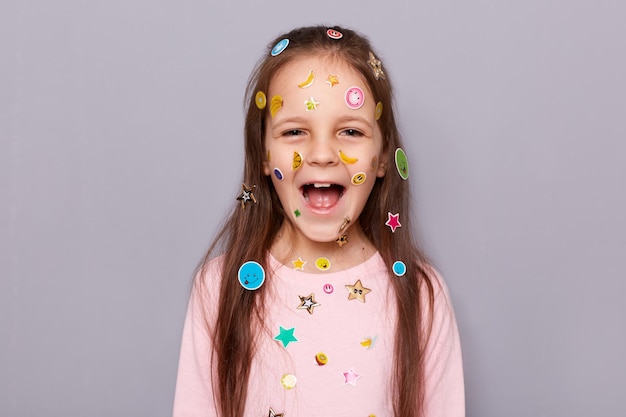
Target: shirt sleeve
(443, 364)
(194, 390)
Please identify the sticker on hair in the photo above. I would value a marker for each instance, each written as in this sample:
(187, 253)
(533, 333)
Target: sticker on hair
(332, 80)
(399, 268)
(359, 178)
(278, 174)
(393, 221)
(247, 195)
(280, 46)
(376, 66)
(355, 97)
(276, 103)
(379, 110)
(309, 80)
(251, 275)
(297, 161)
(260, 100)
(334, 34)
(346, 159)
(311, 104)
(402, 164)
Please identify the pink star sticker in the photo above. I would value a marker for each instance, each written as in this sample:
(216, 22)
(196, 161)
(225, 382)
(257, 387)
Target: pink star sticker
(350, 377)
(393, 221)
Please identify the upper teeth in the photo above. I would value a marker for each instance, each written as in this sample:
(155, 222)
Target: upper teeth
(321, 185)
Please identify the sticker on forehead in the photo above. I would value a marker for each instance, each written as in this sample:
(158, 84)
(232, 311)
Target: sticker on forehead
(334, 34)
(379, 110)
(260, 100)
(402, 164)
(355, 97)
(311, 104)
(276, 103)
(309, 80)
(332, 80)
(280, 46)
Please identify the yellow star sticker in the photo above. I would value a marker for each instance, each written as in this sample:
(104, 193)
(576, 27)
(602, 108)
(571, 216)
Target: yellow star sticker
(311, 104)
(357, 291)
(298, 264)
(332, 80)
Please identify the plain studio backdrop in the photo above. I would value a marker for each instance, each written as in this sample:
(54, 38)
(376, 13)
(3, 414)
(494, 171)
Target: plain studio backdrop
(121, 152)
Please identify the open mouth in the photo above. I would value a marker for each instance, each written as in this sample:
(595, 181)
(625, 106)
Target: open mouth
(322, 195)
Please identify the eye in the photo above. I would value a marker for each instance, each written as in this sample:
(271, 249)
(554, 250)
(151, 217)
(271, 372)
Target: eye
(351, 132)
(293, 132)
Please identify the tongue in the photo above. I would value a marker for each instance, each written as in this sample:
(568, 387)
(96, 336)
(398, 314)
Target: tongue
(323, 197)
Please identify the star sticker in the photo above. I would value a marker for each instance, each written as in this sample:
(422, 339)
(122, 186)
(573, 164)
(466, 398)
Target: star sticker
(311, 104)
(273, 413)
(350, 377)
(342, 240)
(298, 264)
(246, 195)
(376, 66)
(308, 303)
(332, 80)
(285, 336)
(357, 291)
(393, 221)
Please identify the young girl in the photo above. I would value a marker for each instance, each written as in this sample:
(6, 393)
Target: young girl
(320, 302)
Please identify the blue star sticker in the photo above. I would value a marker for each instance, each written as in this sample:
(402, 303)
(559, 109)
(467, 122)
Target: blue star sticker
(285, 336)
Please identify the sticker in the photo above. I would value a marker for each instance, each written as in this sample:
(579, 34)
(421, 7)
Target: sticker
(288, 381)
(278, 174)
(342, 240)
(276, 103)
(297, 161)
(379, 110)
(251, 275)
(359, 178)
(350, 377)
(369, 342)
(354, 97)
(393, 221)
(323, 264)
(280, 46)
(273, 413)
(345, 223)
(311, 104)
(346, 159)
(298, 264)
(269, 156)
(285, 336)
(321, 359)
(402, 164)
(260, 100)
(376, 66)
(328, 288)
(297, 212)
(357, 291)
(309, 80)
(399, 268)
(374, 163)
(246, 195)
(308, 303)
(332, 80)
(334, 34)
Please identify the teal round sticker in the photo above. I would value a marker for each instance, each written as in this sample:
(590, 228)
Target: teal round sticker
(402, 164)
(251, 275)
(399, 268)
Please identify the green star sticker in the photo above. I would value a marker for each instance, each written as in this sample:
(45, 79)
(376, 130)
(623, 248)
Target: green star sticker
(285, 336)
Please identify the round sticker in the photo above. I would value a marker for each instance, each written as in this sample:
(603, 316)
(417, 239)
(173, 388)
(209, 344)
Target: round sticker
(402, 164)
(328, 288)
(260, 100)
(288, 381)
(355, 97)
(399, 268)
(323, 264)
(379, 110)
(334, 34)
(251, 275)
(280, 46)
(358, 178)
(321, 359)
(278, 173)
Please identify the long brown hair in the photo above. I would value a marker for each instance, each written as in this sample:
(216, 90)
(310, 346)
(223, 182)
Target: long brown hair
(239, 310)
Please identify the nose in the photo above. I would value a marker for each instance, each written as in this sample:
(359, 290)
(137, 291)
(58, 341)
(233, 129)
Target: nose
(322, 152)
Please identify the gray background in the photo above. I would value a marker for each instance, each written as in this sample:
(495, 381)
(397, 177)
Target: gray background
(121, 152)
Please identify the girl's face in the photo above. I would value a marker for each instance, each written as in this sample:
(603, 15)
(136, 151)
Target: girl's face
(324, 146)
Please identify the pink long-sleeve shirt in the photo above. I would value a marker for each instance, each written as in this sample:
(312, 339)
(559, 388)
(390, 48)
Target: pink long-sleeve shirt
(325, 355)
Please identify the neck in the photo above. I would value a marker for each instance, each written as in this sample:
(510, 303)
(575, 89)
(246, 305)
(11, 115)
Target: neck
(290, 245)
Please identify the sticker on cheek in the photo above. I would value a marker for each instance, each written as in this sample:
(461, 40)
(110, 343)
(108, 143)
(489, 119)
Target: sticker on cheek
(260, 100)
(346, 159)
(276, 103)
(374, 163)
(359, 178)
(355, 98)
(297, 161)
(278, 174)
(379, 110)
(269, 156)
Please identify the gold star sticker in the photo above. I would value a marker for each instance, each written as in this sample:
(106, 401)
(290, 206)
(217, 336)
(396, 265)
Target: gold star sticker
(342, 240)
(357, 291)
(377, 66)
(273, 413)
(308, 303)
(298, 264)
(311, 104)
(332, 80)
(246, 195)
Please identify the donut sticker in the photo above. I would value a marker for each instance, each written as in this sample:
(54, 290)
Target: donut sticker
(355, 98)
(279, 47)
(334, 34)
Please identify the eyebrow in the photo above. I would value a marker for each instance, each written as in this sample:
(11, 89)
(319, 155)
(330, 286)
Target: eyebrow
(341, 120)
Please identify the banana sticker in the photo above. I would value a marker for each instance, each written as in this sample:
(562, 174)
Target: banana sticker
(309, 80)
(346, 159)
(275, 104)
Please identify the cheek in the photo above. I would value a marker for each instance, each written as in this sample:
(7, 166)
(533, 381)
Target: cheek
(281, 163)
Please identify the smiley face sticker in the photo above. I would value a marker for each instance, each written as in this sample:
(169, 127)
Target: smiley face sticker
(355, 97)
(251, 275)
(334, 34)
(402, 164)
(323, 264)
